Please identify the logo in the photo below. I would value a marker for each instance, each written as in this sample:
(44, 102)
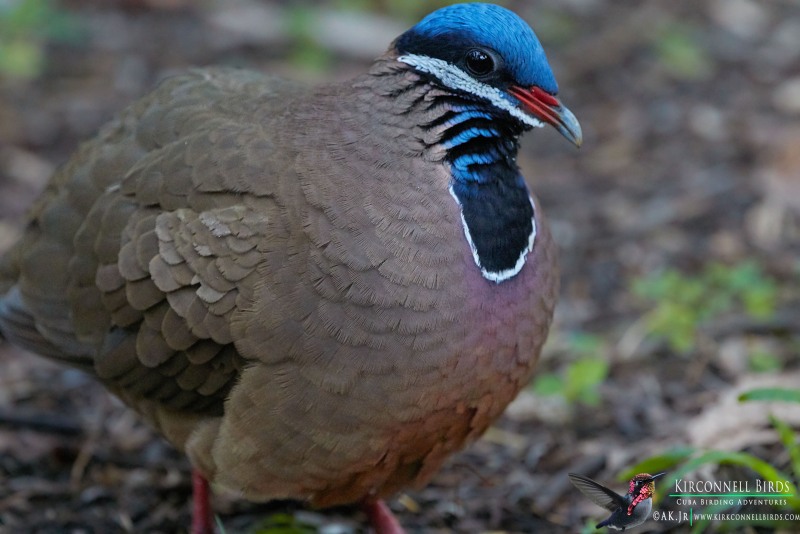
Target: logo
(741, 501)
(628, 510)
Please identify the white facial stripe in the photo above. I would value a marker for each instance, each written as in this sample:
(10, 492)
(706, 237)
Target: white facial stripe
(497, 276)
(455, 78)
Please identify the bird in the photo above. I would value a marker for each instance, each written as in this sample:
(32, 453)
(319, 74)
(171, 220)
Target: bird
(627, 510)
(316, 293)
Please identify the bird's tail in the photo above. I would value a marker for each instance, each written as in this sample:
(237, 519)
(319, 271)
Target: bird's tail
(8, 276)
(607, 523)
(19, 325)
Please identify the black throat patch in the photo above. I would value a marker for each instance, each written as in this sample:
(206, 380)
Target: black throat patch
(498, 224)
(496, 207)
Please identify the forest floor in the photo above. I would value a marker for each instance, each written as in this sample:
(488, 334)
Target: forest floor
(679, 231)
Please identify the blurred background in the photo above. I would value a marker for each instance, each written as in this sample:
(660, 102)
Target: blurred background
(678, 222)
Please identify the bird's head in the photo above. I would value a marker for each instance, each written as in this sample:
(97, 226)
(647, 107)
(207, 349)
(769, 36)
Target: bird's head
(489, 52)
(641, 487)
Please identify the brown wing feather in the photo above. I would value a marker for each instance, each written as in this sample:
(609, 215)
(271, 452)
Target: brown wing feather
(132, 259)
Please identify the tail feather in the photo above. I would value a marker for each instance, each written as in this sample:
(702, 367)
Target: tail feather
(19, 327)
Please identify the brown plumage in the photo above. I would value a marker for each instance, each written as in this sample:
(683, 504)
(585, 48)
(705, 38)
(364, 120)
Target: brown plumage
(288, 297)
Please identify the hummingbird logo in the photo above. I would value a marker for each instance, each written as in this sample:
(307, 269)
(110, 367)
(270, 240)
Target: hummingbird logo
(627, 510)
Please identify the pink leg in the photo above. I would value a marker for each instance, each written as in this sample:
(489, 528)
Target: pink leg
(381, 518)
(201, 509)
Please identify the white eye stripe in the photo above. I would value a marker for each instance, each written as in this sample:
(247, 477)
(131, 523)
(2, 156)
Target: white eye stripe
(455, 78)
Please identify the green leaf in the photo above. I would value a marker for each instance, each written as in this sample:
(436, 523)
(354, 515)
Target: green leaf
(589, 397)
(680, 52)
(548, 384)
(587, 371)
(583, 377)
(584, 344)
(762, 361)
(771, 394)
(760, 303)
(306, 53)
(789, 440)
(21, 59)
(683, 303)
(283, 523)
(658, 463)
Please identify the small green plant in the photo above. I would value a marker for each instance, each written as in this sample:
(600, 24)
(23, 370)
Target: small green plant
(680, 52)
(307, 53)
(282, 523)
(680, 461)
(764, 361)
(580, 379)
(25, 27)
(683, 304)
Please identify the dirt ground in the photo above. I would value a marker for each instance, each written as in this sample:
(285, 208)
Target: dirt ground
(691, 119)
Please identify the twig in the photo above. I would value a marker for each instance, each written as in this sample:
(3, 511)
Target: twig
(782, 323)
(40, 422)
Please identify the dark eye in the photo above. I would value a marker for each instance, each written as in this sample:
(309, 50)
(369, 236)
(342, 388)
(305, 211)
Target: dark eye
(479, 62)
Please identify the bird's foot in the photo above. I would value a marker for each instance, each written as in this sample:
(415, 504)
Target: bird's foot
(201, 508)
(381, 518)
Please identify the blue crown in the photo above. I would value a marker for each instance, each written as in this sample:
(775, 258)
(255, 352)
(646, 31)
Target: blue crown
(491, 26)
